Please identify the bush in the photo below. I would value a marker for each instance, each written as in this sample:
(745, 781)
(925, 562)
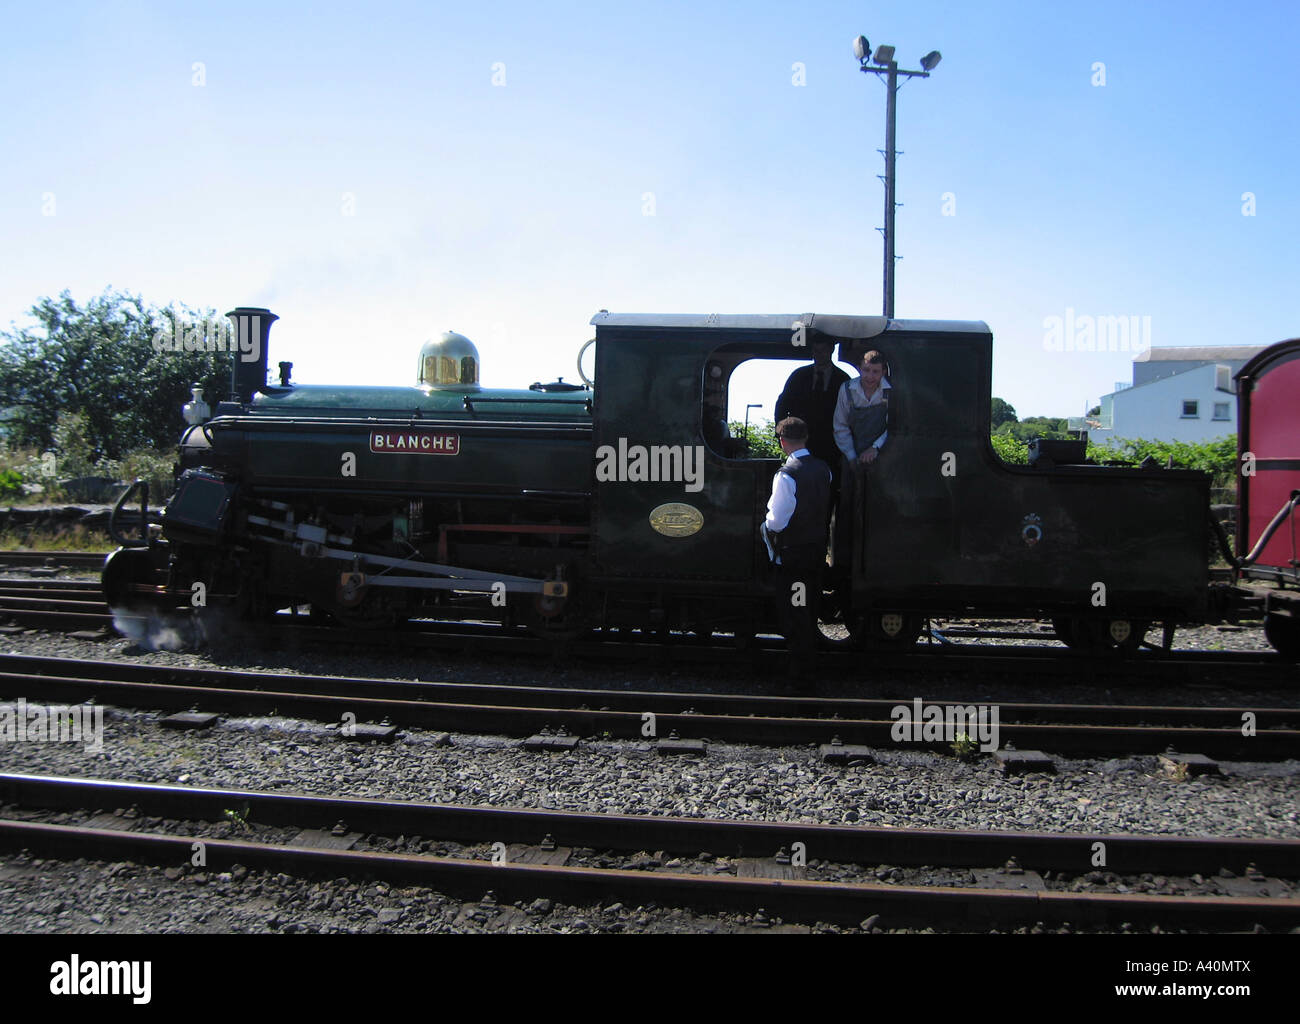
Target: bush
(1010, 449)
(150, 465)
(21, 474)
(67, 473)
(1218, 457)
(762, 438)
(11, 483)
(76, 456)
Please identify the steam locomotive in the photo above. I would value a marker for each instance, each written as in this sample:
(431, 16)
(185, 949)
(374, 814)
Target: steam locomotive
(621, 502)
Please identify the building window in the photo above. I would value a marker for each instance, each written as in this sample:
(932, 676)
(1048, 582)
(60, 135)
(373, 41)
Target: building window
(1189, 411)
(1220, 410)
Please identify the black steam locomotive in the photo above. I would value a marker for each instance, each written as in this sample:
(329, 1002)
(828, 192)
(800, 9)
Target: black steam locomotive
(623, 504)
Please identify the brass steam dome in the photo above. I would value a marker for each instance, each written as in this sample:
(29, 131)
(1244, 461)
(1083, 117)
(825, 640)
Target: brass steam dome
(449, 361)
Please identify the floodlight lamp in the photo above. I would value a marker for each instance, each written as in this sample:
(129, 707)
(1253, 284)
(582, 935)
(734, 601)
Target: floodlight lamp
(884, 54)
(931, 60)
(861, 48)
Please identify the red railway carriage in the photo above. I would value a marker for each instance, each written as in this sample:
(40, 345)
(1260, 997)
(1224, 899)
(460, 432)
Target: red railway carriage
(1268, 439)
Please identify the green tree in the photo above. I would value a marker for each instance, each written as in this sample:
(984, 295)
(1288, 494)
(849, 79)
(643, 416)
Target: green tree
(1052, 424)
(98, 362)
(1002, 412)
(1035, 426)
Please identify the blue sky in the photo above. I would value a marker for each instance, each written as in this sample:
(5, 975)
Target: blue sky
(356, 169)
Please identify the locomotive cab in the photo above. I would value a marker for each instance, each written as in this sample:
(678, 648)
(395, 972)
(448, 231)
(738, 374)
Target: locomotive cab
(944, 527)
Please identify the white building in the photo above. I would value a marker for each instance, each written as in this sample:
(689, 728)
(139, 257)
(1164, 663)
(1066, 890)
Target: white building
(1177, 394)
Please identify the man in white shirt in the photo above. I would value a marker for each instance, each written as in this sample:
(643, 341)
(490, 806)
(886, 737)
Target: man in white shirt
(795, 534)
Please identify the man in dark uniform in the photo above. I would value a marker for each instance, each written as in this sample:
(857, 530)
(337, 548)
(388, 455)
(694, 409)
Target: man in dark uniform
(810, 394)
(795, 534)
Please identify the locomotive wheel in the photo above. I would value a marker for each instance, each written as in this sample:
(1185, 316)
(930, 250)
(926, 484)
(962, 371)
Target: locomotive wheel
(883, 630)
(556, 618)
(1283, 633)
(126, 569)
(842, 634)
(1064, 629)
(366, 616)
(363, 608)
(1096, 636)
(836, 621)
(557, 629)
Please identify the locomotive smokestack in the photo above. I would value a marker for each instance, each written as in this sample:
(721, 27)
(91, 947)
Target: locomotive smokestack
(252, 327)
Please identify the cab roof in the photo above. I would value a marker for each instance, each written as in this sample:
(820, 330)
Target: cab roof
(832, 324)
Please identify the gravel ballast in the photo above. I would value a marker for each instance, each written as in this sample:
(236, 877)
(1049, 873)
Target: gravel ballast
(903, 789)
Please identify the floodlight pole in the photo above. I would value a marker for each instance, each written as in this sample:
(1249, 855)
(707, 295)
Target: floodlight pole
(892, 73)
(891, 109)
(752, 405)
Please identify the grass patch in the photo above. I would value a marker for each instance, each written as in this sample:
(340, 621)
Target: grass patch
(58, 537)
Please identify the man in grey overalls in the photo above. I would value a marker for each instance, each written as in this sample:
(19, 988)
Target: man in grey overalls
(861, 429)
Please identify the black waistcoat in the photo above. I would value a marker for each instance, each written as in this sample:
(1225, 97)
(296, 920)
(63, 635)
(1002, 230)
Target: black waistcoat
(812, 492)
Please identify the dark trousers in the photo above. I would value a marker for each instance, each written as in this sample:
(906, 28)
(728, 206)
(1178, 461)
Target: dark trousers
(849, 504)
(836, 474)
(798, 621)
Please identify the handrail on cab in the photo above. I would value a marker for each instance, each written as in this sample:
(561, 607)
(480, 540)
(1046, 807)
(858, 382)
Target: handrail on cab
(141, 485)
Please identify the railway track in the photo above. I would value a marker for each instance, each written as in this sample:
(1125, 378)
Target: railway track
(801, 872)
(1066, 729)
(68, 605)
(53, 559)
(63, 605)
(52, 588)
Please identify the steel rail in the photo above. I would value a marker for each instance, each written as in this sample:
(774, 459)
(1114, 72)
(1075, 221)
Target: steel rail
(856, 844)
(684, 702)
(842, 903)
(25, 587)
(49, 603)
(69, 559)
(61, 621)
(521, 719)
(1036, 663)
